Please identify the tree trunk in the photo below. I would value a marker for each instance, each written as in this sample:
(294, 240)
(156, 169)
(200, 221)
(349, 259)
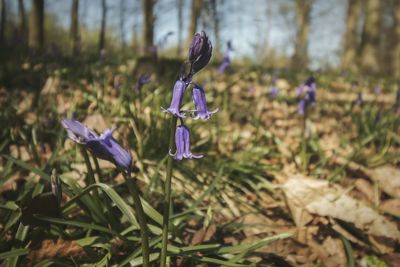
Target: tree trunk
(3, 21)
(196, 10)
(300, 57)
(396, 51)
(75, 27)
(36, 25)
(214, 11)
(148, 10)
(351, 35)
(102, 37)
(369, 56)
(23, 30)
(122, 22)
(179, 4)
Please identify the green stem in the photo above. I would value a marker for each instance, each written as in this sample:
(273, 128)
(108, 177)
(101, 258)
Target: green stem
(167, 195)
(304, 160)
(141, 218)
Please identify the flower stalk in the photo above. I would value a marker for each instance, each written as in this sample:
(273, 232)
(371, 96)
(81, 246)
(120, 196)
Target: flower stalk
(167, 194)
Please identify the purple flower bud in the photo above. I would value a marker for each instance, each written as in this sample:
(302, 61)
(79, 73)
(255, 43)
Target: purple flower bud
(176, 101)
(197, 47)
(103, 146)
(199, 100)
(199, 52)
(182, 143)
(203, 60)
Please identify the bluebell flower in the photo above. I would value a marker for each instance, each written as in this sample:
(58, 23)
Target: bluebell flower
(226, 62)
(103, 146)
(176, 101)
(309, 97)
(199, 100)
(182, 143)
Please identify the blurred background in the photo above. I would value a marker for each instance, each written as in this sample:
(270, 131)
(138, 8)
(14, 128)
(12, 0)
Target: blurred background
(316, 34)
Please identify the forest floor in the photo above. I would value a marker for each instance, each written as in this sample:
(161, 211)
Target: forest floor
(273, 188)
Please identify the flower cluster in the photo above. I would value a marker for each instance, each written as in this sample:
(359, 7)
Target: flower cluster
(309, 97)
(103, 146)
(199, 55)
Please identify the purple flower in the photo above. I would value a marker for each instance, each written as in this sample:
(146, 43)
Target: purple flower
(301, 106)
(309, 97)
(182, 143)
(103, 146)
(176, 101)
(200, 52)
(142, 80)
(225, 63)
(397, 104)
(199, 100)
(274, 91)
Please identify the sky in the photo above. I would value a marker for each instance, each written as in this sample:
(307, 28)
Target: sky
(247, 23)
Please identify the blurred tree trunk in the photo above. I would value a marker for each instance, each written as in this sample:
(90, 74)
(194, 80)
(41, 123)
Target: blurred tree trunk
(214, 11)
(148, 10)
(196, 10)
(179, 4)
(369, 56)
(102, 37)
(122, 22)
(300, 57)
(36, 25)
(22, 20)
(351, 35)
(3, 21)
(396, 50)
(75, 27)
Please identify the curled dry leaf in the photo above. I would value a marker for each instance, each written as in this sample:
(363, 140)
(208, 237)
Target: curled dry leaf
(312, 196)
(61, 248)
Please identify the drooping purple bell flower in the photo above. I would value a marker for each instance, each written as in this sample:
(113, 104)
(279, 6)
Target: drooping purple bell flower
(103, 146)
(199, 100)
(182, 143)
(176, 101)
(200, 52)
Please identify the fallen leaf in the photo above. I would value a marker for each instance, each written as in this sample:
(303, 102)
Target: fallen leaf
(391, 206)
(321, 198)
(61, 248)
